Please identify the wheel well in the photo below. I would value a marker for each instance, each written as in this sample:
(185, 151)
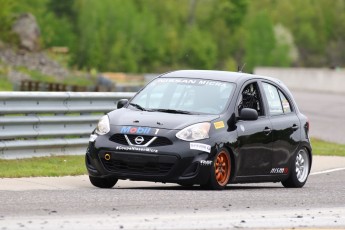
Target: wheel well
(232, 157)
(309, 154)
(310, 157)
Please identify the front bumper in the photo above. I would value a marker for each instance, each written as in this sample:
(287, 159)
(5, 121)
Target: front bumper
(176, 163)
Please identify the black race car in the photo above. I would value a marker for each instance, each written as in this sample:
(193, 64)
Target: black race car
(209, 128)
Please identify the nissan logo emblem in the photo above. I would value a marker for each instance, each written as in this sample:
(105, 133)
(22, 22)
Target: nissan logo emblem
(138, 140)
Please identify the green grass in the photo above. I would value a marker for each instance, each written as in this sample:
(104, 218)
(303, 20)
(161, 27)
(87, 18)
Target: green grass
(79, 81)
(74, 165)
(35, 75)
(325, 148)
(69, 80)
(5, 84)
(43, 166)
(76, 78)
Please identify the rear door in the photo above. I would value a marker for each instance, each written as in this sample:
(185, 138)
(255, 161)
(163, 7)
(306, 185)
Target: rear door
(285, 126)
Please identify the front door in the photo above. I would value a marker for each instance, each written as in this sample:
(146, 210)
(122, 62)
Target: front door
(254, 137)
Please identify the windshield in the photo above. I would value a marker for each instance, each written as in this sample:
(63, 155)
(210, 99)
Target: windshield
(184, 95)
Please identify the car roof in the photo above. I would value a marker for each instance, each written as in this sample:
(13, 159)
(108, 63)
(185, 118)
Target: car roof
(235, 77)
(213, 75)
(206, 74)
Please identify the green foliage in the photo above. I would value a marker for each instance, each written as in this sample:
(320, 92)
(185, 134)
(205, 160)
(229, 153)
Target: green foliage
(145, 37)
(230, 11)
(62, 8)
(55, 30)
(260, 41)
(150, 35)
(200, 51)
(317, 28)
(6, 20)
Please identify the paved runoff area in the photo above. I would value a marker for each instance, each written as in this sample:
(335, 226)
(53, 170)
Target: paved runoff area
(325, 112)
(73, 203)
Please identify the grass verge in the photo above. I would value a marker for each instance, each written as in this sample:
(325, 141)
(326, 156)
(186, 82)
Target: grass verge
(74, 165)
(43, 166)
(326, 148)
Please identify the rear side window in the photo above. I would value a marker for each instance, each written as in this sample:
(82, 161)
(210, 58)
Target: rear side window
(277, 102)
(285, 102)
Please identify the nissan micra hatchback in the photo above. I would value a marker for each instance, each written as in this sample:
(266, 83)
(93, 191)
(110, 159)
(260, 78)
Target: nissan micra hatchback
(209, 128)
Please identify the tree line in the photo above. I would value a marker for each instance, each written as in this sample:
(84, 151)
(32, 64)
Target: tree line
(154, 36)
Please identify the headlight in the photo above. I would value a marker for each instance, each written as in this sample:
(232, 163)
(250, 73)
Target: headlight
(194, 132)
(103, 126)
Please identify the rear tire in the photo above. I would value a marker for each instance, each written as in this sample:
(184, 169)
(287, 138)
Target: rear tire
(99, 182)
(299, 171)
(220, 171)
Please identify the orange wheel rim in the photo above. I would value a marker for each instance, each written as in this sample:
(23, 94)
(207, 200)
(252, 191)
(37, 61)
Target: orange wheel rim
(222, 168)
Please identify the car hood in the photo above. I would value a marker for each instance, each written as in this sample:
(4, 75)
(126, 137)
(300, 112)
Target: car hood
(128, 117)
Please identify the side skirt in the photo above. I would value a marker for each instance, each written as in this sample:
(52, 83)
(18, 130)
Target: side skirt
(259, 179)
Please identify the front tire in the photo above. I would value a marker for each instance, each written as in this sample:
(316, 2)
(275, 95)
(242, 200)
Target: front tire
(220, 171)
(300, 170)
(99, 182)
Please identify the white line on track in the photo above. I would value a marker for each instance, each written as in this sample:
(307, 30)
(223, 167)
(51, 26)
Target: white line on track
(327, 171)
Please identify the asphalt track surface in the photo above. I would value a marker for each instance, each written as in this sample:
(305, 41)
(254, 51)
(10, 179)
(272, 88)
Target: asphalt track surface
(72, 203)
(326, 113)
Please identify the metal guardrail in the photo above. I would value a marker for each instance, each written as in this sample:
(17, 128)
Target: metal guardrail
(34, 124)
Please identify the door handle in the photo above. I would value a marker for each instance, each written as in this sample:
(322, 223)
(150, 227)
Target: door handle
(295, 127)
(267, 130)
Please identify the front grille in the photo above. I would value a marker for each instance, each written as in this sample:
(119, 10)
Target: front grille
(136, 168)
(145, 166)
(119, 138)
(159, 141)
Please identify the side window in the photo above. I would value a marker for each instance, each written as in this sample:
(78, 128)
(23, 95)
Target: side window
(277, 102)
(250, 98)
(285, 103)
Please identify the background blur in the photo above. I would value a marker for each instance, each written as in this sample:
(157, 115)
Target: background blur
(148, 36)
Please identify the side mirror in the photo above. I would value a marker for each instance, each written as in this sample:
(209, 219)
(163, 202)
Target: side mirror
(248, 114)
(122, 103)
